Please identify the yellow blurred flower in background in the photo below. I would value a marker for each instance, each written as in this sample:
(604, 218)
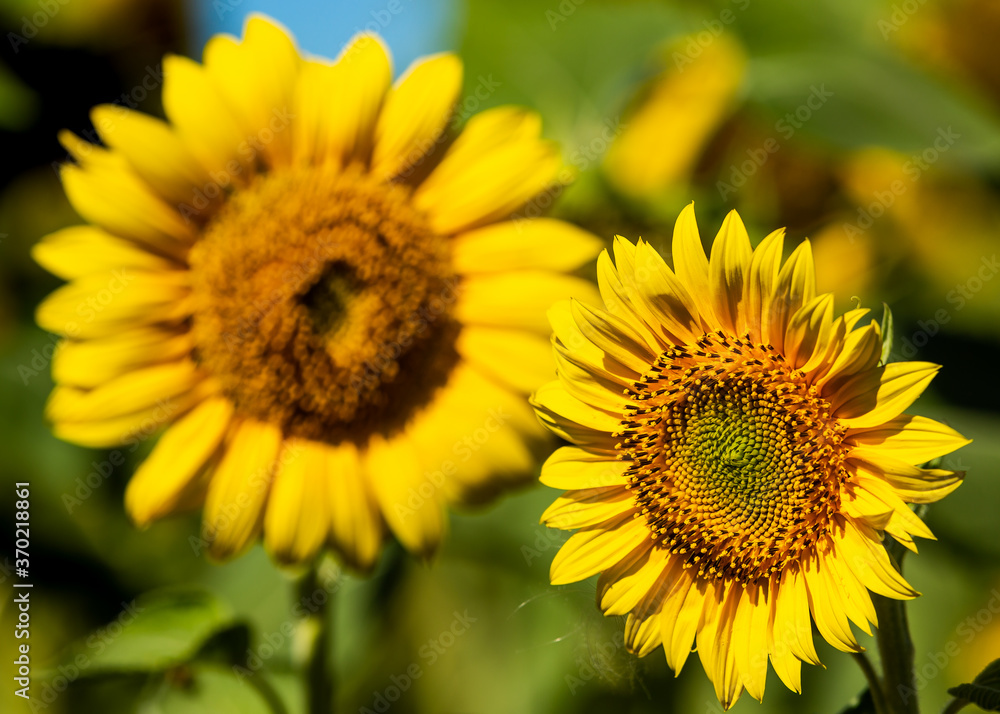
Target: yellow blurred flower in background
(323, 296)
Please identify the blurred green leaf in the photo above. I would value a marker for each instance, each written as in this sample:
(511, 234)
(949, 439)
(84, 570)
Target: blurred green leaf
(211, 689)
(160, 630)
(18, 103)
(857, 99)
(984, 690)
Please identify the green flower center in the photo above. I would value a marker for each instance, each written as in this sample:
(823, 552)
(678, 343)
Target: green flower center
(735, 460)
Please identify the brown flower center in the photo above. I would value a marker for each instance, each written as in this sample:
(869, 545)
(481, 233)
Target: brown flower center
(322, 303)
(735, 461)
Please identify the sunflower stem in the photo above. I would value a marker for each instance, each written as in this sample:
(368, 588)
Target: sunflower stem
(894, 643)
(315, 632)
(874, 683)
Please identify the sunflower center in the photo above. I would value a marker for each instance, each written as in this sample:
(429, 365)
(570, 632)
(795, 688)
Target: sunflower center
(735, 461)
(322, 304)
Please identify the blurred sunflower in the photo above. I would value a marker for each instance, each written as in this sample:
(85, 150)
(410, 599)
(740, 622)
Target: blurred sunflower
(737, 453)
(321, 292)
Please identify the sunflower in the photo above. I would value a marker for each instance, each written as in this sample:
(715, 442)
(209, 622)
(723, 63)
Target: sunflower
(323, 294)
(737, 453)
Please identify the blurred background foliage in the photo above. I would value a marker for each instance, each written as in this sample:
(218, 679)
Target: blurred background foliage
(873, 128)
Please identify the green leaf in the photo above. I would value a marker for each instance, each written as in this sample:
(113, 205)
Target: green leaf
(204, 689)
(160, 630)
(851, 100)
(984, 690)
(886, 334)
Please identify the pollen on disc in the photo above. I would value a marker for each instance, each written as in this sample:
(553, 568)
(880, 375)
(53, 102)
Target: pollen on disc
(734, 459)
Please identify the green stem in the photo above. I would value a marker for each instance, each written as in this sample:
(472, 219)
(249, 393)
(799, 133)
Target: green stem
(315, 631)
(894, 643)
(874, 683)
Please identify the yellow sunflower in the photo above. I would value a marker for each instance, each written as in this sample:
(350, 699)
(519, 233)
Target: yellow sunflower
(322, 292)
(737, 454)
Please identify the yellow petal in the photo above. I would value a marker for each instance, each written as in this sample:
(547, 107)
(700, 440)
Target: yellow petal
(415, 115)
(913, 484)
(625, 583)
(155, 152)
(728, 271)
(239, 487)
(750, 639)
(911, 439)
(410, 501)
(516, 358)
(588, 552)
(642, 636)
(575, 348)
(518, 299)
(257, 78)
(355, 522)
(809, 330)
(161, 482)
(691, 265)
(572, 419)
(792, 628)
(133, 428)
(764, 266)
(862, 550)
(861, 352)
(338, 105)
(117, 200)
(91, 363)
(570, 467)
(680, 619)
(656, 295)
(874, 397)
(715, 639)
(614, 337)
(691, 101)
(796, 287)
(80, 250)
(129, 393)
(100, 305)
(204, 121)
(588, 507)
(540, 244)
(827, 607)
(490, 172)
(297, 518)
